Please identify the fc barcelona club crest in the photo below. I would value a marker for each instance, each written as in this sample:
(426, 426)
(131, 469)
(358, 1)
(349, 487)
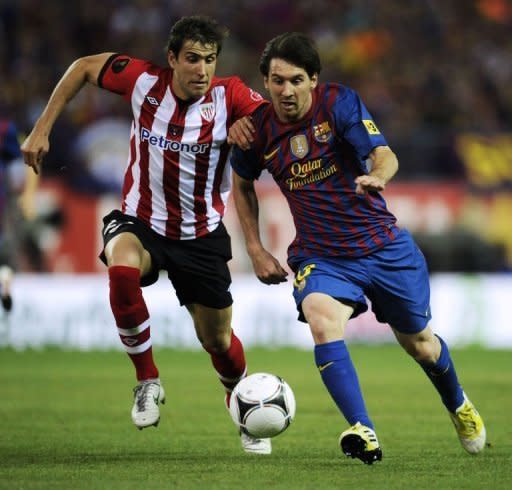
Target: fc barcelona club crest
(207, 111)
(299, 146)
(322, 132)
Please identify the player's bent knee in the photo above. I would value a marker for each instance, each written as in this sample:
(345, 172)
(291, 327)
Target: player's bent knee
(217, 344)
(126, 250)
(422, 350)
(325, 329)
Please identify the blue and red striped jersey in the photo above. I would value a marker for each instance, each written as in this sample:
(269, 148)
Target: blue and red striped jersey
(315, 162)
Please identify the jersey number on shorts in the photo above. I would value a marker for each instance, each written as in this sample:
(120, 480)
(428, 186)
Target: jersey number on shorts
(300, 277)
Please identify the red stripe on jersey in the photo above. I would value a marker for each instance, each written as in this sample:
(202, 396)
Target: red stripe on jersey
(201, 176)
(217, 202)
(128, 177)
(147, 116)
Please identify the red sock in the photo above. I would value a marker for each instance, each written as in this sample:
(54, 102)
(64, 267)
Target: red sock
(132, 319)
(230, 365)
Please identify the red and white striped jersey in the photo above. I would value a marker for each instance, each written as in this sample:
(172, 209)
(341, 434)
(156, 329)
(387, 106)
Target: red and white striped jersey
(176, 179)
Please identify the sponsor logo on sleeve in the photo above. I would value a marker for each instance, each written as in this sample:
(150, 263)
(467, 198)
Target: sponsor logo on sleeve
(370, 126)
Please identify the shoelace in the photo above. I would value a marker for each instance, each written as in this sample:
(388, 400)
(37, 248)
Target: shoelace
(143, 395)
(467, 421)
(371, 436)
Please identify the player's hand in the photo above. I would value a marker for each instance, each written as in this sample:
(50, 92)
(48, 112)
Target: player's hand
(369, 183)
(34, 148)
(241, 133)
(267, 268)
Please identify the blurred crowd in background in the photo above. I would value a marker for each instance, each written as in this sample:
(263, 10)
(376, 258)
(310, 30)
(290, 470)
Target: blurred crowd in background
(435, 74)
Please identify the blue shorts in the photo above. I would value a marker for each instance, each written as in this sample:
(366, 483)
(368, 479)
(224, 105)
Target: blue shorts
(395, 279)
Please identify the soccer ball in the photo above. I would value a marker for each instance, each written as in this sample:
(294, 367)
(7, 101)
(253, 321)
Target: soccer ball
(262, 405)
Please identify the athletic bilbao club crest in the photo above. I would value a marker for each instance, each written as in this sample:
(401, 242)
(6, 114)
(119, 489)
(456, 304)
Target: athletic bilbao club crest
(207, 111)
(299, 146)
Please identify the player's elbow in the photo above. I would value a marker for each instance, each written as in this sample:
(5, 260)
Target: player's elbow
(390, 159)
(395, 165)
(89, 67)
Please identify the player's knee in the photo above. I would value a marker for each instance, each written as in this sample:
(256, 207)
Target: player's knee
(326, 317)
(125, 258)
(324, 328)
(127, 251)
(216, 344)
(423, 351)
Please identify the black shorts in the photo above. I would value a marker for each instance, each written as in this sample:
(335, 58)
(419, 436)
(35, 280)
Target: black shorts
(196, 268)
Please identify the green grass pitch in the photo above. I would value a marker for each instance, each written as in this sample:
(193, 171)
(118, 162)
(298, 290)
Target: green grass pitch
(65, 423)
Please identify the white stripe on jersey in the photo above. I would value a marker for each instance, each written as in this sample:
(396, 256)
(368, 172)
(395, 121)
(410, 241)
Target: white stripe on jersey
(142, 87)
(187, 172)
(163, 115)
(219, 133)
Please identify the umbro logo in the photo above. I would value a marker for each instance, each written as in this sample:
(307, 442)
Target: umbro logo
(152, 100)
(129, 341)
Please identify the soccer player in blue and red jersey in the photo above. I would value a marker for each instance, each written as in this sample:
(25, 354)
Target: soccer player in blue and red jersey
(331, 162)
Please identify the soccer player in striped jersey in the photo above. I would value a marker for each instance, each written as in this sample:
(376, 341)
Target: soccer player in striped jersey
(175, 191)
(331, 162)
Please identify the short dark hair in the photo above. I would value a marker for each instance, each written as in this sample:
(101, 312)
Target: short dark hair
(197, 28)
(294, 47)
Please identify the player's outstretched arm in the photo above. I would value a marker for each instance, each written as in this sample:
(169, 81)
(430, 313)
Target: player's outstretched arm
(384, 167)
(83, 70)
(266, 267)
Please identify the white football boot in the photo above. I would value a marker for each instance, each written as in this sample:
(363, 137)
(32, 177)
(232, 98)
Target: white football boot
(251, 445)
(148, 395)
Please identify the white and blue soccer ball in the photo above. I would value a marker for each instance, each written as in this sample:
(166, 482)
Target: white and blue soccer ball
(262, 405)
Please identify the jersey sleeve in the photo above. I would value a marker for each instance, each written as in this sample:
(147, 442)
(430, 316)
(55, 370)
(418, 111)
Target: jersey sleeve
(243, 100)
(120, 73)
(245, 163)
(355, 124)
